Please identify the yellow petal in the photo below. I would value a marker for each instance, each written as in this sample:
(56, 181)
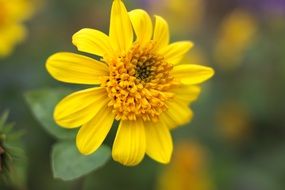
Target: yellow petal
(92, 134)
(178, 113)
(186, 93)
(161, 33)
(92, 41)
(80, 107)
(158, 142)
(142, 25)
(174, 52)
(77, 69)
(129, 145)
(121, 31)
(192, 74)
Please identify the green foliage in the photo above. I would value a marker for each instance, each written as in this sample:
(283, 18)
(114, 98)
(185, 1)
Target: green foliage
(42, 103)
(69, 164)
(3, 119)
(13, 162)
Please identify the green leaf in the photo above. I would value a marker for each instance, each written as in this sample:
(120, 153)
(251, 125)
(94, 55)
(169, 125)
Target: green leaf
(42, 103)
(3, 119)
(69, 164)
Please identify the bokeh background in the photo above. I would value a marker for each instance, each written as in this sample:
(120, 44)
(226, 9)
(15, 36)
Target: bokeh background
(237, 138)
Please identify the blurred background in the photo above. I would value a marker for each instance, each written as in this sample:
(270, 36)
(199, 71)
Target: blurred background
(237, 138)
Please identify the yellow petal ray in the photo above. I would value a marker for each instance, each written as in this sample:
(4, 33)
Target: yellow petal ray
(186, 93)
(77, 69)
(178, 113)
(142, 25)
(80, 107)
(158, 142)
(93, 41)
(130, 144)
(192, 74)
(161, 33)
(121, 31)
(92, 134)
(175, 52)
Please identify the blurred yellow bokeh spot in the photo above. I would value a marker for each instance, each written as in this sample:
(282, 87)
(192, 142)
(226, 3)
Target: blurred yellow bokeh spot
(188, 169)
(236, 33)
(12, 30)
(184, 16)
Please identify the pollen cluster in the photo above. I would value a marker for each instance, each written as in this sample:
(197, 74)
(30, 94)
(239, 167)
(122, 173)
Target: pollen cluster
(138, 84)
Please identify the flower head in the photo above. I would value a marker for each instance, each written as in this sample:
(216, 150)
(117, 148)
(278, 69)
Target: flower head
(12, 15)
(140, 84)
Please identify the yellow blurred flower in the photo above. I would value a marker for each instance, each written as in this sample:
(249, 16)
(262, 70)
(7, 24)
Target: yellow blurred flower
(233, 121)
(236, 33)
(12, 31)
(183, 15)
(141, 83)
(188, 169)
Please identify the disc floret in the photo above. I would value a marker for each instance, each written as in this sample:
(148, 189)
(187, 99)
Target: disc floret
(138, 83)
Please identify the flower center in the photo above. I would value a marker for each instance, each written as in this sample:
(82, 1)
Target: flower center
(143, 71)
(138, 84)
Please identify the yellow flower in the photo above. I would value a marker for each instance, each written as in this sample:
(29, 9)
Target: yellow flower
(140, 85)
(235, 36)
(12, 31)
(188, 169)
(185, 15)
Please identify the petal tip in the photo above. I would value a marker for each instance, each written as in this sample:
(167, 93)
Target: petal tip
(82, 148)
(211, 72)
(164, 160)
(188, 45)
(191, 44)
(49, 64)
(83, 151)
(125, 162)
